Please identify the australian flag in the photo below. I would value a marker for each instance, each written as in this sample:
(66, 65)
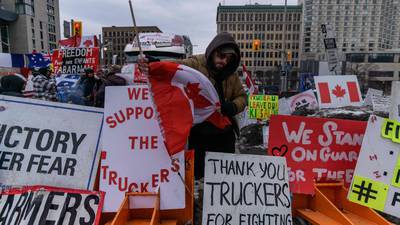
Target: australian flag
(38, 60)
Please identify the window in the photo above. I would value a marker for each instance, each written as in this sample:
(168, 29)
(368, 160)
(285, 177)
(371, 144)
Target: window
(5, 42)
(25, 7)
(42, 44)
(41, 35)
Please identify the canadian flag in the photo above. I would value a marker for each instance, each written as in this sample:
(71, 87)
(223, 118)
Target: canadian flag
(182, 97)
(249, 82)
(338, 91)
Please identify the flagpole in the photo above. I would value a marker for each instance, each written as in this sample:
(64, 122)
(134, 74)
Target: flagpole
(136, 31)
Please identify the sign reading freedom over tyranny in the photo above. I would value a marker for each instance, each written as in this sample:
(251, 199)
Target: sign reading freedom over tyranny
(75, 60)
(46, 143)
(48, 205)
(246, 189)
(376, 182)
(263, 106)
(135, 158)
(316, 148)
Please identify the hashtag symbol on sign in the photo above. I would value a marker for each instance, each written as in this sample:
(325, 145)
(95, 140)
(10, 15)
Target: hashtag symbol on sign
(364, 191)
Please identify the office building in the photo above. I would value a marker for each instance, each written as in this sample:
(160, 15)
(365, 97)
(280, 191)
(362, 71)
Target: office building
(116, 38)
(265, 23)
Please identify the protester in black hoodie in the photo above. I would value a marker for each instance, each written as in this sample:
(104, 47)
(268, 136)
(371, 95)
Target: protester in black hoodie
(219, 65)
(12, 85)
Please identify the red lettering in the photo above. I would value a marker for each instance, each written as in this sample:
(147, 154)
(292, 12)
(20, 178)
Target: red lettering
(111, 122)
(143, 187)
(104, 168)
(133, 187)
(154, 180)
(148, 113)
(133, 141)
(134, 93)
(164, 175)
(122, 187)
(144, 142)
(145, 95)
(129, 112)
(112, 178)
(154, 142)
(175, 165)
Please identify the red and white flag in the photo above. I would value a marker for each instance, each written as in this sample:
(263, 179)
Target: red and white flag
(338, 91)
(249, 82)
(183, 97)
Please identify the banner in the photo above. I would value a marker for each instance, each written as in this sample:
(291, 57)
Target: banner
(50, 205)
(75, 60)
(135, 158)
(246, 189)
(305, 100)
(376, 182)
(316, 148)
(263, 106)
(395, 100)
(338, 91)
(48, 143)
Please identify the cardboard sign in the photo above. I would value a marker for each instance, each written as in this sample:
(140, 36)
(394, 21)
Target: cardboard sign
(245, 189)
(394, 113)
(263, 106)
(338, 91)
(49, 205)
(316, 148)
(371, 92)
(305, 99)
(48, 143)
(75, 60)
(330, 47)
(381, 103)
(376, 182)
(135, 158)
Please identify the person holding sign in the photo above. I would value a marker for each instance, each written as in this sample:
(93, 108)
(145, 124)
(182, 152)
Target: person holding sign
(219, 65)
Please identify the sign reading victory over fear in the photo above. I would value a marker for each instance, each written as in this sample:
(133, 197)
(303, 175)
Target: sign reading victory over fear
(135, 158)
(316, 149)
(376, 182)
(75, 60)
(49, 205)
(263, 106)
(48, 143)
(246, 189)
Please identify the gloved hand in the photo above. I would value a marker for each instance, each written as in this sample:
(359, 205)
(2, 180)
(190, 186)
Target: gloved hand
(144, 63)
(228, 109)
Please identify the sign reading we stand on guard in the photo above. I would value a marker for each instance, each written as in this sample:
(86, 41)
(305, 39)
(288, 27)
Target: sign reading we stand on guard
(48, 143)
(316, 149)
(376, 182)
(134, 157)
(246, 189)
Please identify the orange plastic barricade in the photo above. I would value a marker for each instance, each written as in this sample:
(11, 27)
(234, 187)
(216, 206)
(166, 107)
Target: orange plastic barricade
(329, 206)
(155, 216)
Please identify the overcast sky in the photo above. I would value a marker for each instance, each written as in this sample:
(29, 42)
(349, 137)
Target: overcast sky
(195, 18)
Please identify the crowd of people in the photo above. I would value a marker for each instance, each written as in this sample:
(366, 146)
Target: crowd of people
(89, 89)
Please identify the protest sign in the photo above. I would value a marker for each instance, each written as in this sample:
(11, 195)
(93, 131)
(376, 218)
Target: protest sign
(305, 100)
(338, 91)
(245, 189)
(47, 143)
(74, 60)
(284, 108)
(376, 182)
(371, 92)
(50, 205)
(316, 148)
(263, 106)
(395, 100)
(135, 158)
(381, 103)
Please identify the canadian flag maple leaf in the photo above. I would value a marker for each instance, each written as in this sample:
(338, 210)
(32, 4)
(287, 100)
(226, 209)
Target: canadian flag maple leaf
(339, 92)
(193, 92)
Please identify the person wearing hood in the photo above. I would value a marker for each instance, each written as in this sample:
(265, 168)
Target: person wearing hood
(44, 85)
(84, 91)
(219, 65)
(12, 85)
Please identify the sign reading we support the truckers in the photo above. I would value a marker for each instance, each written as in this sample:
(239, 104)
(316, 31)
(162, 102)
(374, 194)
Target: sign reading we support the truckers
(376, 182)
(48, 143)
(135, 158)
(74, 60)
(50, 205)
(246, 189)
(316, 149)
(263, 106)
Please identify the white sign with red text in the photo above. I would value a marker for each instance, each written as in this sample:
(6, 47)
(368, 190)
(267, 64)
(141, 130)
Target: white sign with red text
(135, 158)
(338, 91)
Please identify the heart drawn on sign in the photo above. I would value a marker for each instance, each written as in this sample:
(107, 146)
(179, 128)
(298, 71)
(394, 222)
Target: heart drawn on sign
(279, 151)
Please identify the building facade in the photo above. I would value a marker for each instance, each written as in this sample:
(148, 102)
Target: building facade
(266, 23)
(374, 69)
(359, 25)
(116, 38)
(37, 27)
